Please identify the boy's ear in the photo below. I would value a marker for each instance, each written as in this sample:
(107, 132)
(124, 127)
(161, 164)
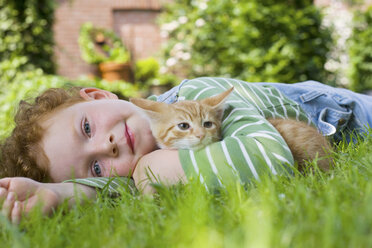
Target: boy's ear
(96, 94)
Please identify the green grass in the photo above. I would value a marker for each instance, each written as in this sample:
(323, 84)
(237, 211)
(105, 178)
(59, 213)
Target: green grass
(320, 210)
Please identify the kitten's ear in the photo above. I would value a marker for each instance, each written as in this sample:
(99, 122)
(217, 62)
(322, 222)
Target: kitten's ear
(152, 106)
(218, 100)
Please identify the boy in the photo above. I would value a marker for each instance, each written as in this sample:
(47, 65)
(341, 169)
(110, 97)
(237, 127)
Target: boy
(80, 137)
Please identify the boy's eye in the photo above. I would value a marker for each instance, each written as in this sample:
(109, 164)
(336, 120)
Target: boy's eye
(207, 124)
(86, 127)
(97, 169)
(183, 126)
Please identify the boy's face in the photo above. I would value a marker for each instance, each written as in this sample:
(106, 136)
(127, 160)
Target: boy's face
(103, 137)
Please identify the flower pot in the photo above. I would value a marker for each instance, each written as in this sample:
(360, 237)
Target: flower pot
(112, 71)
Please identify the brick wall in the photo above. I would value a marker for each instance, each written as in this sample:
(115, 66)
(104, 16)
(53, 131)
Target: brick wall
(132, 20)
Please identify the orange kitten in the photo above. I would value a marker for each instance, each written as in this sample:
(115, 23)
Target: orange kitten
(185, 124)
(305, 142)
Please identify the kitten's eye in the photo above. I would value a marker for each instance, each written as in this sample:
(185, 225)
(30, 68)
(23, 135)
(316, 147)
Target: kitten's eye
(183, 126)
(97, 169)
(207, 124)
(86, 127)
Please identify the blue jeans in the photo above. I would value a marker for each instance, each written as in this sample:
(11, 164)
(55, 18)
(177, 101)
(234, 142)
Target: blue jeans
(333, 110)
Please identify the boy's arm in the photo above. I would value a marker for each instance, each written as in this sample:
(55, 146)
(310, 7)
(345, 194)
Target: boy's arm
(251, 148)
(20, 195)
(158, 166)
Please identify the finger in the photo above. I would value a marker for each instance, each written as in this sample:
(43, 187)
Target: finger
(4, 182)
(8, 204)
(16, 213)
(30, 204)
(3, 194)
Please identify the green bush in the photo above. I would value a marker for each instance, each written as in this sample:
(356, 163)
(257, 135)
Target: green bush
(256, 40)
(148, 73)
(147, 69)
(360, 51)
(112, 48)
(26, 31)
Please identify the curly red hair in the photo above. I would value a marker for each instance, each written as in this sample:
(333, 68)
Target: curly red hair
(21, 154)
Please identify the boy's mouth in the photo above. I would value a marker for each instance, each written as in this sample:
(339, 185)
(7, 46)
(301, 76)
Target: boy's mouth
(129, 137)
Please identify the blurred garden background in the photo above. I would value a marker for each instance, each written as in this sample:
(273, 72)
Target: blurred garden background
(145, 47)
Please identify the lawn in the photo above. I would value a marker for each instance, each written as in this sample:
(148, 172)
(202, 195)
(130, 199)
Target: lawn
(318, 210)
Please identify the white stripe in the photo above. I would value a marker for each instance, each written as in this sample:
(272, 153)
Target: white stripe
(247, 125)
(90, 182)
(285, 147)
(283, 106)
(239, 109)
(229, 161)
(189, 86)
(281, 158)
(281, 103)
(244, 99)
(113, 182)
(297, 112)
(268, 161)
(201, 81)
(271, 133)
(232, 122)
(234, 101)
(106, 183)
(219, 84)
(251, 87)
(247, 159)
(262, 135)
(195, 165)
(213, 166)
(248, 96)
(202, 91)
(193, 161)
(268, 99)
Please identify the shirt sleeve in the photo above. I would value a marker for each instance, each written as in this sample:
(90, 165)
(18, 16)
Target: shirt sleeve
(251, 147)
(114, 186)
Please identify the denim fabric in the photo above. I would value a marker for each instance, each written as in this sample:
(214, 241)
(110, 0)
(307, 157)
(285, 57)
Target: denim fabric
(171, 95)
(333, 110)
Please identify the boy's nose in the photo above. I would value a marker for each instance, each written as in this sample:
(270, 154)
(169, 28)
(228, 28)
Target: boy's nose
(109, 147)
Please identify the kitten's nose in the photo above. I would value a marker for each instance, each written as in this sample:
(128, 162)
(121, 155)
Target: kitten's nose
(200, 134)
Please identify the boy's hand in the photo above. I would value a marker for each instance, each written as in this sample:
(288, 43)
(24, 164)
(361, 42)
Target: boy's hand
(20, 195)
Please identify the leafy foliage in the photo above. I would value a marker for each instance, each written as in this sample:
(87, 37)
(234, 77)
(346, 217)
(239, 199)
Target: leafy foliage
(101, 45)
(281, 41)
(148, 73)
(361, 51)
(146, 69)
(26, 31)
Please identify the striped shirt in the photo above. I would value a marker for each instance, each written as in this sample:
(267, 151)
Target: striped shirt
(250, 146)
